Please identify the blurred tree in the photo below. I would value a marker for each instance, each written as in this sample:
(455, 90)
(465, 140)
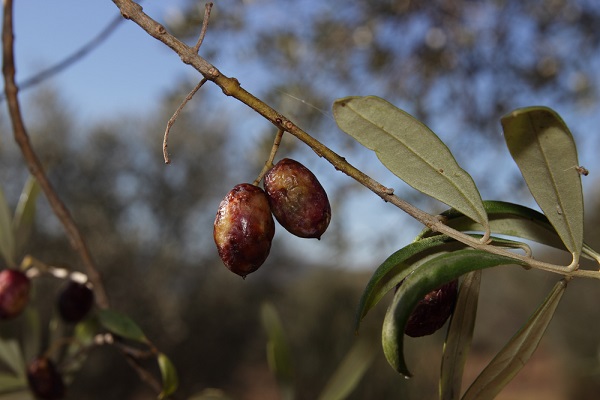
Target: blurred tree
(456, 65)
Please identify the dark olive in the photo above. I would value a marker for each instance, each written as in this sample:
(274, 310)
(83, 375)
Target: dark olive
(244, 229)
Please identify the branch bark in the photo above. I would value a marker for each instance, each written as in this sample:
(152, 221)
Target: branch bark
(33, 163)
(231, 87)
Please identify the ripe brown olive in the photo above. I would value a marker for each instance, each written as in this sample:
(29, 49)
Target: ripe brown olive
(244, 229)
(297, 199)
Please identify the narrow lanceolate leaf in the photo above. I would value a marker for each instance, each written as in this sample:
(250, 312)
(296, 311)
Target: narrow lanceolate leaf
(350, 371)
(459, 336)
(278, 352)
(170, 381)
(544, 149)
(11, 356)
(403, 262)
(411, 151)
(121, 325)
(424, 279)
(25, 212)
(509, 219)
(7, 235)
(509, 361)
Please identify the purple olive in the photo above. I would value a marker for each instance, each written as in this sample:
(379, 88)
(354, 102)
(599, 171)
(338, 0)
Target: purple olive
(297, 199)
(244, 229)
(433, 310)
(14, 293)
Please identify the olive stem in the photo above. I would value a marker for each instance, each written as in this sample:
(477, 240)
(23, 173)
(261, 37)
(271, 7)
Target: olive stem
(269, 163)
(231, 87)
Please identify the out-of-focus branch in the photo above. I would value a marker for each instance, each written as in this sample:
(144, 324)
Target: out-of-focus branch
(33, 162)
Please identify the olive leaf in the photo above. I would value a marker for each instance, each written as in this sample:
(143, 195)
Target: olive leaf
(544, 149)
(509, 361)
(7, 235)
(350, 371)
(510, 219)
(459, 336)
(404, 261)
(10, 383)
(430, 275)
(411, 151)
(25, 212)
(170, 381)
(11, 356)
(121, 325)
(278, 352)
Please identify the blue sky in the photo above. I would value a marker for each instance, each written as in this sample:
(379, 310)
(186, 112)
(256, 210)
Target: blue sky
(118, 77)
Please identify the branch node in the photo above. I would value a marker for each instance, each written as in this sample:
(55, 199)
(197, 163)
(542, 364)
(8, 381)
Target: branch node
(161, 30)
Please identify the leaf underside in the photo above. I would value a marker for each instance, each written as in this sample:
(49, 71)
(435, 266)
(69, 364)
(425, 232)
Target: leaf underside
(544, 149)
(515, 354)
(411, 151)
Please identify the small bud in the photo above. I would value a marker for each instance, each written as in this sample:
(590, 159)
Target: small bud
(44, 379)
(75, 301)
(14, 293)
(244, 229)
(431, 313)
(297, 199)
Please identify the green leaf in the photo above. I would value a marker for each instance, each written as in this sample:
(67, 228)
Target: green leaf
(11, 355)
(459, 336)
(349, 372)
(168, 372)
(10, 383)
(25, 212)
(121, 325)
(512, 220)
(397, 266)
(7, 235)
(544, 149)
(32, 333)
(403, 262)
(427, 277)
(509, 361)
(411, 151)
(278, 352)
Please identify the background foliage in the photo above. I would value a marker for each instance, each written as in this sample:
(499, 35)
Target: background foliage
(457, 66)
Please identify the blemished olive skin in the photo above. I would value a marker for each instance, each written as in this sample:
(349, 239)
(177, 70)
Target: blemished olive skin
(44, 379)
(431, 313)
(244, 229)
(297, 199)
(14, 293)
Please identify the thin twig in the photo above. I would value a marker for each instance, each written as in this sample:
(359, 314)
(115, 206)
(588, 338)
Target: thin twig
(231, 87)
(33, 162)
(207, 8)
(175, 116)
(269, 163)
